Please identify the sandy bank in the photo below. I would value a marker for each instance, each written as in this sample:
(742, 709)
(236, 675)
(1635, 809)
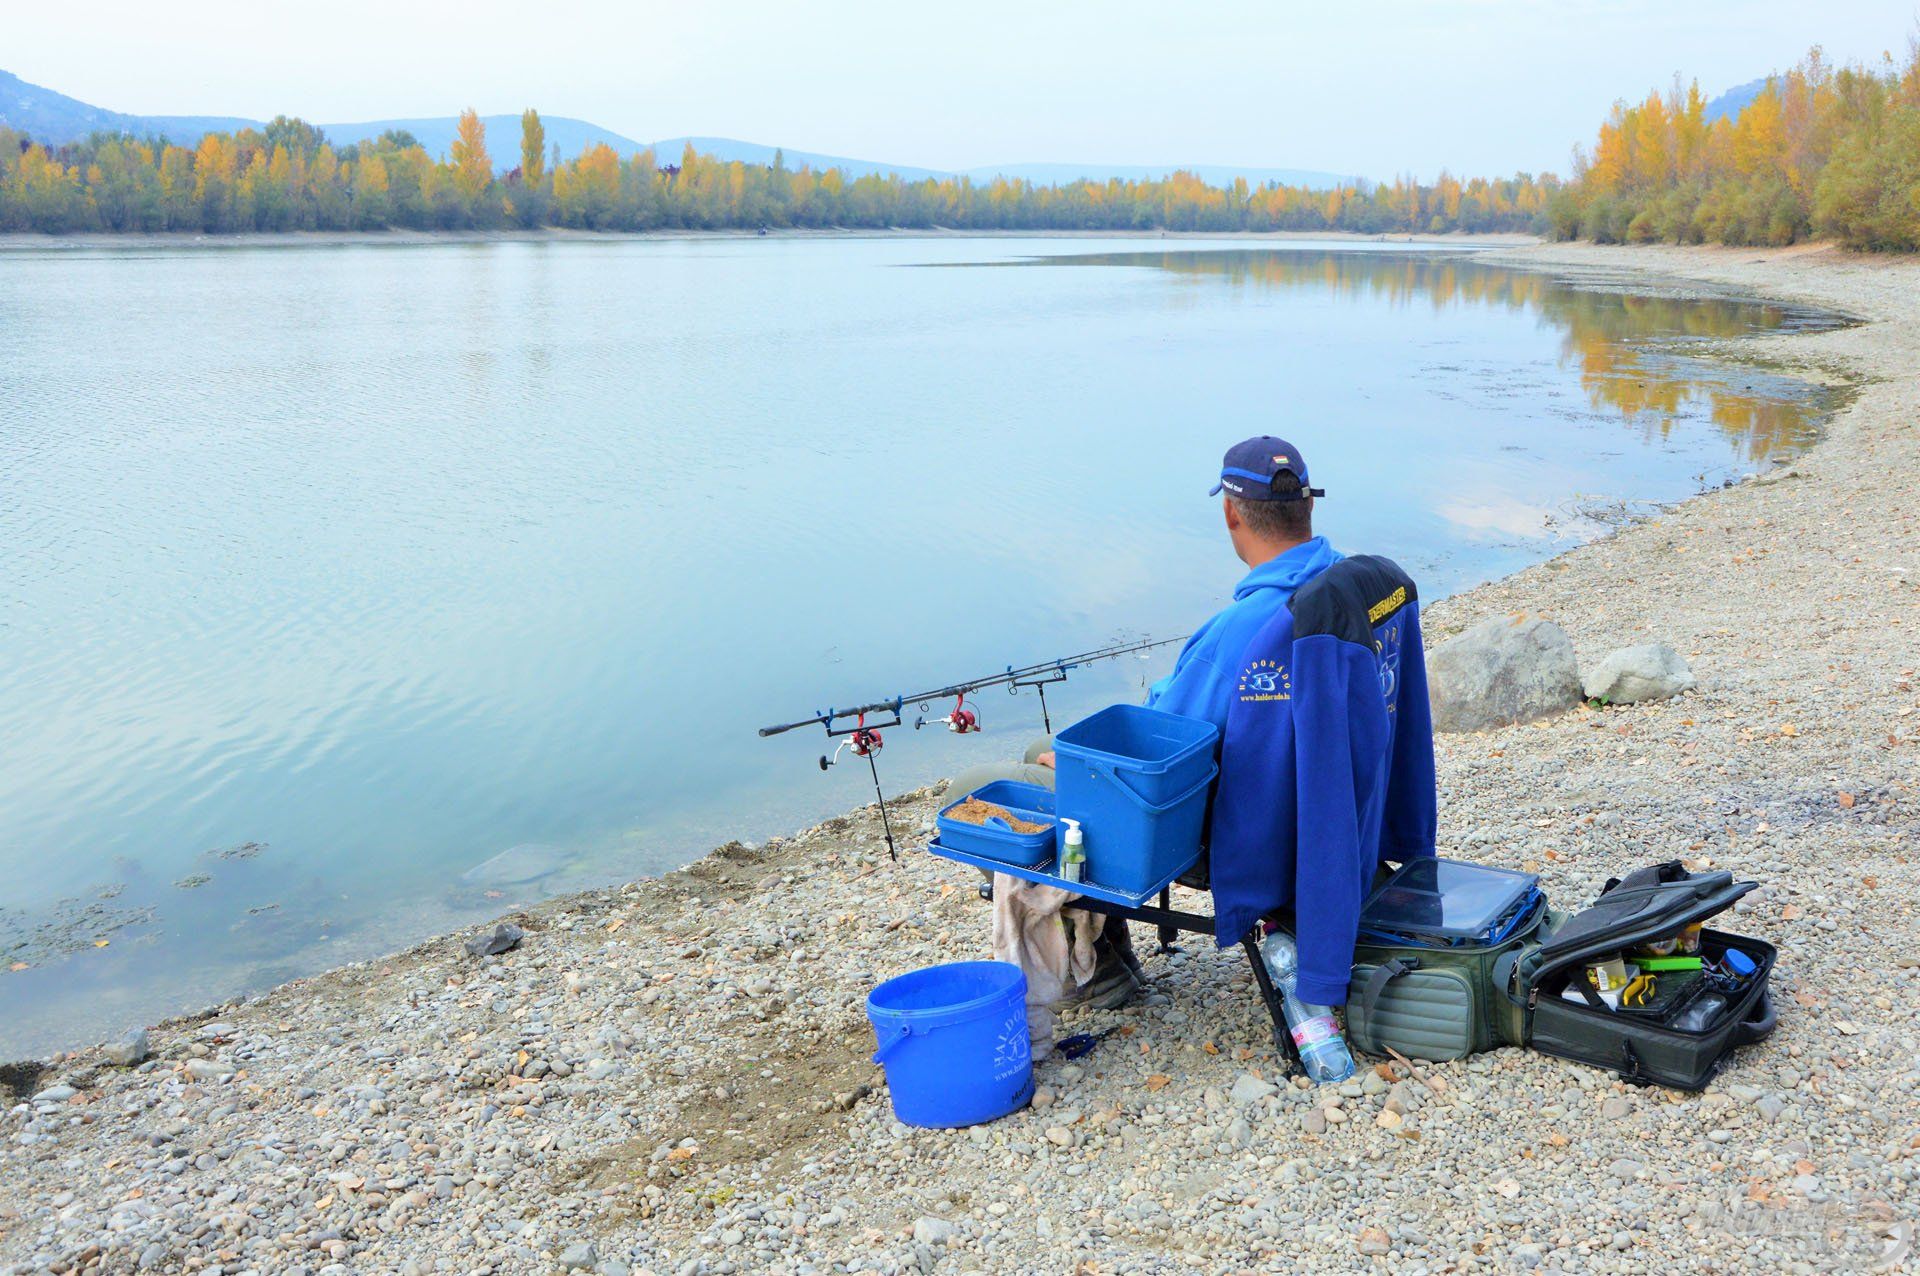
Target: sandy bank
(671, 1076)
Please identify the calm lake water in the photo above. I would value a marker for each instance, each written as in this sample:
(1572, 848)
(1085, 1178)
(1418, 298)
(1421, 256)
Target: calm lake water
(328, 573)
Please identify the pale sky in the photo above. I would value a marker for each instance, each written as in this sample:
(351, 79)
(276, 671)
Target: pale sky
(1376, 87)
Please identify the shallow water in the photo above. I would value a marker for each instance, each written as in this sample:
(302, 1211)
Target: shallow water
(327, 574)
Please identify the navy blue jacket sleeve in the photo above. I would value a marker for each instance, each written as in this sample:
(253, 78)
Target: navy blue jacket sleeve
(1412, 815)
(1341, 735)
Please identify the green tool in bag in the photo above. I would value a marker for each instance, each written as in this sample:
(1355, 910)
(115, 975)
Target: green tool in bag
(1431, 937)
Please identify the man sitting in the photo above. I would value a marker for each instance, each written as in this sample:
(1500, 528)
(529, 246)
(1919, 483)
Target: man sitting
(1267, 507)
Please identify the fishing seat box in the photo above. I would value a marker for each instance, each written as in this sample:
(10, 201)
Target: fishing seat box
(1443, 1003)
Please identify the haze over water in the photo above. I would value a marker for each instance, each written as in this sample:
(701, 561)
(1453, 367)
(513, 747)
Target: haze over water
(328, 573)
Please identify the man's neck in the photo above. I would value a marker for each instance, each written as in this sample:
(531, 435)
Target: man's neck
(1266, 551)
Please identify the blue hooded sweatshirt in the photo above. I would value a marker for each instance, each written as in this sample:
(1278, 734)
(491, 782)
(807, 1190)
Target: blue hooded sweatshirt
(1203, 678)
(1326, 765)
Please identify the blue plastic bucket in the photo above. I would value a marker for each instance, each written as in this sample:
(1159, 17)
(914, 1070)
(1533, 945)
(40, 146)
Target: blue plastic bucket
(954, 1042)
(1137, 781)
(1158, 756)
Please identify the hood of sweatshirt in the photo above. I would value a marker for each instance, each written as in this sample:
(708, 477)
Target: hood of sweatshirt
(1289, 570)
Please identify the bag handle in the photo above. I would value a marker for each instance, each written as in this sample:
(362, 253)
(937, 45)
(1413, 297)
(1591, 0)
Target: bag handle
(1760, 1021)
(1383, 974)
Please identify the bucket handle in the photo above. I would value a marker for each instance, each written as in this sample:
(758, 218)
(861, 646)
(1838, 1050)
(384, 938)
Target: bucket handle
(892, 1044)
(1112, 772)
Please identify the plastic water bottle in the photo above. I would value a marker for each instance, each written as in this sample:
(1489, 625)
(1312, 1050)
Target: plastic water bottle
(1316, 1033)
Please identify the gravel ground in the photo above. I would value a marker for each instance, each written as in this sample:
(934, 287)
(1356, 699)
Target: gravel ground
(672, 1076)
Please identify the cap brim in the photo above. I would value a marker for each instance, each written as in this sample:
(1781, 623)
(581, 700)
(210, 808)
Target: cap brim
(1217, 489)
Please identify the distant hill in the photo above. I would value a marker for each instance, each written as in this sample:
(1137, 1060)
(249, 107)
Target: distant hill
(1729, 104)
(56, 119)
(668, 150)
(1212, 174)
(503, 135)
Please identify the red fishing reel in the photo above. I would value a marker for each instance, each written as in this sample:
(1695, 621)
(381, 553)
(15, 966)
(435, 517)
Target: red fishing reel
(960, 721)
(862, 742)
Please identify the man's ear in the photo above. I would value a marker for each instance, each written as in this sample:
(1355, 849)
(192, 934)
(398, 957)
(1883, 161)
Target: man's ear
(1233, 515)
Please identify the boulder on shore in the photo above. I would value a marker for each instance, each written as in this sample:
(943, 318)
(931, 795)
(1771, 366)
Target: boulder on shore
(1510, 669)
(1650, 671)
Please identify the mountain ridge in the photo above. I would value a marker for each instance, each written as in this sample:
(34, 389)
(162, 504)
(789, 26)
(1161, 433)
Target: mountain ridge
(56, 119)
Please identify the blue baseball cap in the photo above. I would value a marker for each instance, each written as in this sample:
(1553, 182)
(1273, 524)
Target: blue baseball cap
(1249, 468)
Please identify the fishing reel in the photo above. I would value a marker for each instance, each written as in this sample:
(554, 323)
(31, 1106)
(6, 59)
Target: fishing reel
(960, 721)
(862, 742)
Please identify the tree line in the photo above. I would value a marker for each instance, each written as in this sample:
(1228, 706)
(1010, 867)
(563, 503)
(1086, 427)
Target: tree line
(1822, 152)
(289, 177)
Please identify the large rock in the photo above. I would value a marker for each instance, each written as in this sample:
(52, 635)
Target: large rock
(1651, 671)
(1509, 669)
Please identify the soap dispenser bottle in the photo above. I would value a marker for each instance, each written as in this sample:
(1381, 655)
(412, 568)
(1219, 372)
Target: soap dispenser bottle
(1073, 855)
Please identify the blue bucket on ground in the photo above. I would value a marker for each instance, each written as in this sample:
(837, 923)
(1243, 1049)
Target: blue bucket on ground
(1028, 802)
(954, 1042)
(1137, 781)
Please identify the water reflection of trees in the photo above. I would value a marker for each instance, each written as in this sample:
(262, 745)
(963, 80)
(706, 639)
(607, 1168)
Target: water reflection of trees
(1615, 338)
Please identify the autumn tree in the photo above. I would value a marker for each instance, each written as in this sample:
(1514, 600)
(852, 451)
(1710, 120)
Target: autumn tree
(527, 201)
(472, 167)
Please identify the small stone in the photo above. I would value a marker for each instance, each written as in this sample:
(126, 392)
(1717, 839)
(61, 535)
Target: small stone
(1746, 1093)
(1250, 1088)
(128, 1051)
(1771, 1106)
(1373, 1084)
(55, 1094)
(578, 1256)
(1388, 1119)
(932, 1231)
(1374, 1240)
(502, 938)
(1615, 1106)
(1059, 1137)
(208, 1070)
(1314, 1121)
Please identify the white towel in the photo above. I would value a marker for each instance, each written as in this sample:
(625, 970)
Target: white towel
(1053, 944)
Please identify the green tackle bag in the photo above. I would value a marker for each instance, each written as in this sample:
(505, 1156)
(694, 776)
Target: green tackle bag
(1431, 1002)
(1528, 985)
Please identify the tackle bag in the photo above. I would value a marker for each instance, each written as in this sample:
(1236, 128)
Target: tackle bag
(1683, 1035)
(1431, 937)
(1523, 983)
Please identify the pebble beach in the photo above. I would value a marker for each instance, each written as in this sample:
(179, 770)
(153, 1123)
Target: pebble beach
(673, 1076)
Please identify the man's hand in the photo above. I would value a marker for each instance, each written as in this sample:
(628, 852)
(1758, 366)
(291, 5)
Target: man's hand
(1046, 759)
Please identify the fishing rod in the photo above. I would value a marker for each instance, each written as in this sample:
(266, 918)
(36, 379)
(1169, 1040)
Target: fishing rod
(863, 740)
